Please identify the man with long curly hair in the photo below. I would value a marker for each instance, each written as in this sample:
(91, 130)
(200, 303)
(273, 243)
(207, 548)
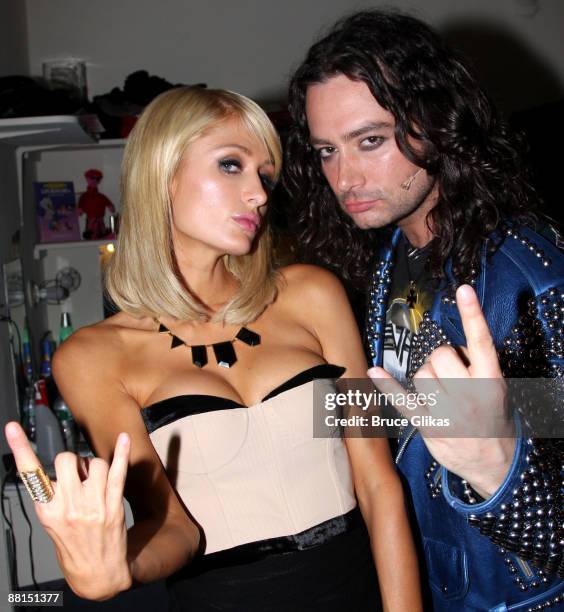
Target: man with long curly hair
(407, 182)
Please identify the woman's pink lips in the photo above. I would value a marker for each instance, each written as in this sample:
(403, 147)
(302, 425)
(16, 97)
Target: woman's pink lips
(357, 207)
(246, 223)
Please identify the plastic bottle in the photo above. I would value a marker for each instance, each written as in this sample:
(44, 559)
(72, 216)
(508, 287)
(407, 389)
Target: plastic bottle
(28, 413)
(48, 436)
(26, 357)
(68, 425)
(46, 358)
(46, 374)
(66, 329)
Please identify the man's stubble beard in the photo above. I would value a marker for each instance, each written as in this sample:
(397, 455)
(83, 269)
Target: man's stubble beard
(393, 209)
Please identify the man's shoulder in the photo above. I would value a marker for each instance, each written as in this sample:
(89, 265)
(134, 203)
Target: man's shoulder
(524, 268)
(532, 254)
(532, 238)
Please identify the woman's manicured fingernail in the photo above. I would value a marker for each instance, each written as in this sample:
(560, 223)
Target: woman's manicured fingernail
(123, 439)
(11, 431)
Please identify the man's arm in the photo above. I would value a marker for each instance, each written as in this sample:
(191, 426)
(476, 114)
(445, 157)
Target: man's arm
(511, 473)
(521, 514)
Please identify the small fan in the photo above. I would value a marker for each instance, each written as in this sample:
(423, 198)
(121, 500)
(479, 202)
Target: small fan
(68, 278)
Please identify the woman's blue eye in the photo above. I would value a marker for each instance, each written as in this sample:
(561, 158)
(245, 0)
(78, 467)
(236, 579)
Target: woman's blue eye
(231, 166)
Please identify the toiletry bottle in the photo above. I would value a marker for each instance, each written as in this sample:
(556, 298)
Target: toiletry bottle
(68, 425)
(66, 329)
(49, 437)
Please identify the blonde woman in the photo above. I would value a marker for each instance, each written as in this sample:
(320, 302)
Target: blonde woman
(197, 396)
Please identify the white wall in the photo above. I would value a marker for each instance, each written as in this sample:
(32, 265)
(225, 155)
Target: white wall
(251, 45)
(13, 38)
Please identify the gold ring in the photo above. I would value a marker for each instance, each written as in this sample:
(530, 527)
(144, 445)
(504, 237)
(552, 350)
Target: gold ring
(38, 485)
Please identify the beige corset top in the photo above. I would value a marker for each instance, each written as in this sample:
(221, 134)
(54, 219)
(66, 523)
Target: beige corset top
(252, 473)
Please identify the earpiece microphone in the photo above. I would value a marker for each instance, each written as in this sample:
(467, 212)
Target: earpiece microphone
(409, 181)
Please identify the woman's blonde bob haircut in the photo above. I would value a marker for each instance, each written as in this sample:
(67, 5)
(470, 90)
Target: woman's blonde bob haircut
(142, 277)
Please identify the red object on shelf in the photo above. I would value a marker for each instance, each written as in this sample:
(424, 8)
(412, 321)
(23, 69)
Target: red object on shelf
(41, 393)
(93, 204)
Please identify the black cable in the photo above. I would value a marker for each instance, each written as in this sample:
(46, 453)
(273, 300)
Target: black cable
(15, 325)
(14, 568)
(45, 336)
(30, 543)
(19, 358)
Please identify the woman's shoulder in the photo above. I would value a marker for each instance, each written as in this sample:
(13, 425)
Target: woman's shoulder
(103, 344)
(310, 291)
(310, 280)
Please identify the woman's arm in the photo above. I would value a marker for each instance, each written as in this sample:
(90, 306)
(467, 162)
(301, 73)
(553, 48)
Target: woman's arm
(87, 369)
(378, 487)
(381, 501)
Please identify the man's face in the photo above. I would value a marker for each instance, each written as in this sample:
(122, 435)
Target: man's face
(354, 138)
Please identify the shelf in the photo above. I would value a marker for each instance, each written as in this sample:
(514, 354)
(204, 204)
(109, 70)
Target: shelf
(107, 143)
(43, 131)
(79, 244)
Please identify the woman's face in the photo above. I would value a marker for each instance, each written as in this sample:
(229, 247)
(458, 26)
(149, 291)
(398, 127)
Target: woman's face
(220, 190)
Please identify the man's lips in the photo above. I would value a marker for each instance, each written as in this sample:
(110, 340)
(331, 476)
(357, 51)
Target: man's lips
(357, 206)
(250, 223)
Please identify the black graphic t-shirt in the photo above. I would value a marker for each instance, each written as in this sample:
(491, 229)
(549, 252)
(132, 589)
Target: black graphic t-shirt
(407, 303)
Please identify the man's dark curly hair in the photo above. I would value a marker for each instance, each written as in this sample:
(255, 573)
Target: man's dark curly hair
(436, 101)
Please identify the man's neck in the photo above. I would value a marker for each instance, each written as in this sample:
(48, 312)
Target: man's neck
(417, 237)
(418, 226)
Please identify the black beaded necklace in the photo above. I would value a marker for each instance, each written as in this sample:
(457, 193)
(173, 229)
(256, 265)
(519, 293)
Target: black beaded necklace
(224, 352)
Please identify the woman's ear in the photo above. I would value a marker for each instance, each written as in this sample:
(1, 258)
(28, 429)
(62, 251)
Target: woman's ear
(173, 186)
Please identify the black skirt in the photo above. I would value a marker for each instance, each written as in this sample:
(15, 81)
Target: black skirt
(335, 575)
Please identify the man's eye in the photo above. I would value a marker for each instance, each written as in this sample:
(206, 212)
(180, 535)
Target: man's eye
(230, 166)
(325, 152)
(372, 142)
